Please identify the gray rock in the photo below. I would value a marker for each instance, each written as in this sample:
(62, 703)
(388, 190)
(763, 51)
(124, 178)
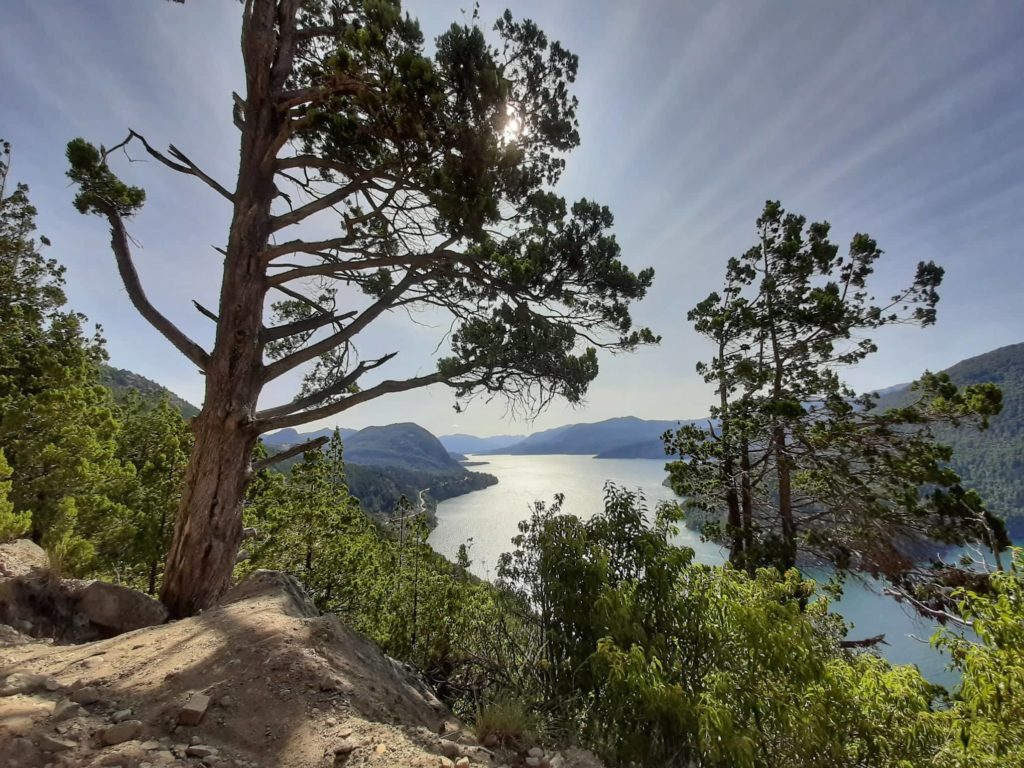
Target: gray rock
(192, 713)
(200, 750)
(21, 557)
(22, 682)
(49, 743)
(450, 749)
(536, 752)
(86, 695)
(65, 710)
(115, 734)
(121, 715)
(118, 609)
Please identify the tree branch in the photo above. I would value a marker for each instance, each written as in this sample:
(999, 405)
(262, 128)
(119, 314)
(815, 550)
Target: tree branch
(384, 388)
(287, 363)
(302, 326)
(309, 445)
(184, 165)
(132, 284)
(335, 388)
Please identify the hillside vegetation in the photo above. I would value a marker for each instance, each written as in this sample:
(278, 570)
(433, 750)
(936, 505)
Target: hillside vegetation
(991, 461)
(121, 381)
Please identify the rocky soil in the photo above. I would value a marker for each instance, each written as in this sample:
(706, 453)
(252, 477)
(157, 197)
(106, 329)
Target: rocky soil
(260, 680)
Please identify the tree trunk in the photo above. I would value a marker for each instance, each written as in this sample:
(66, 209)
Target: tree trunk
(208, 528)
(733, 521)
(783, 473)
(747, 506)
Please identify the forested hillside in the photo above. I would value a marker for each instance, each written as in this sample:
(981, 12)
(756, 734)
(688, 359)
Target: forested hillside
(122, 381)
(992, 461)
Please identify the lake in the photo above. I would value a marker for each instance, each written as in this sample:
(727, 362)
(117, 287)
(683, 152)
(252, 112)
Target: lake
(489, 517)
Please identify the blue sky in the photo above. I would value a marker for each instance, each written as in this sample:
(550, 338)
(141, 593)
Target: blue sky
(904, 120)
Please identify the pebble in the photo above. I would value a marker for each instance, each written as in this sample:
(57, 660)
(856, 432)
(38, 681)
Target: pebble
(200, 750)
(121, 715)
(462, 762)
(536, 752)
(450, 749)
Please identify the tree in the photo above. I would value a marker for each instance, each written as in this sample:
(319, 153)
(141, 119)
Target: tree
(437, 170)
(57, 424)
(798, 462)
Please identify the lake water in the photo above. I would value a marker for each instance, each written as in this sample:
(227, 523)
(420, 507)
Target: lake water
(489, 517)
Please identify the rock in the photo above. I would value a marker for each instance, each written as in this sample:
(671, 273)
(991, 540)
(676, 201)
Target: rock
(49, 743)
(533, 762)
(22, 556)
(192, 713)
(450, 749)
(226, 702)
(117, 609)
(344, 747)
(445, 762)
(21, 752)
(462, 762)
(85, 695)
(200, 750)
(150, 746)
(279, 588)
(195, 740)
(381, 749)
(52, 684)
(115, 734)
(66, 709)
(535, 752)
(121, 715)
(491, 740)
(22, 682)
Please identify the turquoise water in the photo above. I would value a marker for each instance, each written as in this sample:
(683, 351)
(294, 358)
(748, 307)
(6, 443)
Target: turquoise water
(489, 517)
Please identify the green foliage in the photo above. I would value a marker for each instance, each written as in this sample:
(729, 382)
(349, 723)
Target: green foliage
(797, 464)
(656, 661)
(99, 190)
(986, 721)
(991, 461)
(69, 552)
(12, 524)
(155, 441)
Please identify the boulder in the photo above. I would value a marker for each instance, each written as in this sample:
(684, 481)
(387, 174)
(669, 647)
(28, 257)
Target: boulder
(20, 557)
(117, 609)
(274, 587)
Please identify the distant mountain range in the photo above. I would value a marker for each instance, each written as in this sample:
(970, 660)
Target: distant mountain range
(625, 437)
(991, 461)
(464, 444)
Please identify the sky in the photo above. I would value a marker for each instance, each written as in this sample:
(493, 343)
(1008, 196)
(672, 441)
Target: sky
(904, 120)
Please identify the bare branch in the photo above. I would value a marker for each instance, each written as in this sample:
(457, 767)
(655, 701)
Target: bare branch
(387, 387)
(204, 311)
(184, 165)
(132, 284)
(295, 450)
(335, 388)
(295, 359)
(304, 326)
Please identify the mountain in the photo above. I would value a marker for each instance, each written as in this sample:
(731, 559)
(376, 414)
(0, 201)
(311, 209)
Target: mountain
(991, 461)
(594, 439)
(399, 445)
(461, 443)
(121, 381)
